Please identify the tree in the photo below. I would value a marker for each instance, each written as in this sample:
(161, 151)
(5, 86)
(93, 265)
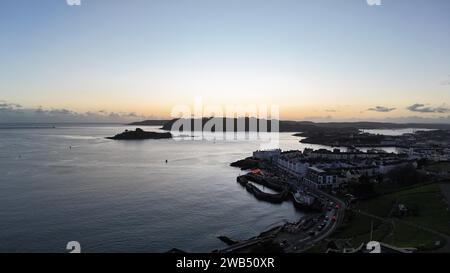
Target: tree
(405, 175)
(364, 188)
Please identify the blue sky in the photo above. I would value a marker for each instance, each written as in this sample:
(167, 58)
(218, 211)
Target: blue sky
(321, 59)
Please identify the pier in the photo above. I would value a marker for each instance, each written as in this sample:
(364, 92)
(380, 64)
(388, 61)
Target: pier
(259, 194)
(322, 220)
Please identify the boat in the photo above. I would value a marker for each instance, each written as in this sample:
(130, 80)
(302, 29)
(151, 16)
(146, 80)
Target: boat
(302, 200)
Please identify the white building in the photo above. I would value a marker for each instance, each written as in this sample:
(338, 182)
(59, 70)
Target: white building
(319, 178)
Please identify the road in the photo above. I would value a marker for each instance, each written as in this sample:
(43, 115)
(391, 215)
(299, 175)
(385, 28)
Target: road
(299, 241)
(328, 229)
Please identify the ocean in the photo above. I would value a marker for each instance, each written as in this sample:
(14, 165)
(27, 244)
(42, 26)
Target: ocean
(69, 183)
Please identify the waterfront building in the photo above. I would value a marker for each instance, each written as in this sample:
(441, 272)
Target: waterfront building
(319, 178)
(269, 155)
(334, 169)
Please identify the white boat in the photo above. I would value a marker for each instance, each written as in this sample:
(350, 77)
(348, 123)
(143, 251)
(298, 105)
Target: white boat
(302, 200)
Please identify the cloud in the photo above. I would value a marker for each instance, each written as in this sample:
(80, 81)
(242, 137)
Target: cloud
(132, 114)
(318, 118)
(62, 112)
(5, 106)
(382, 109)
(12, 113)
(422, 108)
(331, 110)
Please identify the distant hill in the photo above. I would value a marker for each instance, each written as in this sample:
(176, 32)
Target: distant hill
(150, 122)
(383, 125)
(294, 126)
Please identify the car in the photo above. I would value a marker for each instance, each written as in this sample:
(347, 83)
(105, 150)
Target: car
(334, 218)
(337, 206)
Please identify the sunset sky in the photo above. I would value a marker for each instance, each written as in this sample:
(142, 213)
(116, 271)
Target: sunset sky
(317, 60)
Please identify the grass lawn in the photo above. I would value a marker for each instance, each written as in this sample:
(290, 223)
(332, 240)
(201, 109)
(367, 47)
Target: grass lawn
(439, 167)
(359, 225)
(431, 212)
(407, 236)
(428, 200)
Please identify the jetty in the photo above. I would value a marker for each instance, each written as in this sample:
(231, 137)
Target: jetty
(283, 195)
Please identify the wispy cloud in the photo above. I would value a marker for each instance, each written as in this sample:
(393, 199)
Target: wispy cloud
(5, 106)
(318, 118)
(13, 112)
(422, 108)
(382, 109)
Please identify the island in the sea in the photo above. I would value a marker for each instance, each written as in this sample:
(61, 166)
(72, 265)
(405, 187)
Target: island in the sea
(140, 134)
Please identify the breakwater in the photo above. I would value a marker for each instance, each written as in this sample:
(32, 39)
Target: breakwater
(283, 194)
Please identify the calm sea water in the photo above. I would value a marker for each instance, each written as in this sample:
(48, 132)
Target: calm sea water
(121, 196)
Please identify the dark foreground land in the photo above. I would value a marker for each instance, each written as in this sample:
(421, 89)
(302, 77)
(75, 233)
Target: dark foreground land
(406, 210)
(415, 217)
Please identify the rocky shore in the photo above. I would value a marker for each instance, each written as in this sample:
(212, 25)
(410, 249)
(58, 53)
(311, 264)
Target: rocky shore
(246, 164)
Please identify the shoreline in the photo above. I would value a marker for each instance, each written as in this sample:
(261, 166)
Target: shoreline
(291, 236)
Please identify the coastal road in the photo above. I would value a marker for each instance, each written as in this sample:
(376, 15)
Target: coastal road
(300, 241)
(297, 242)
(305, 243)
(329, 229)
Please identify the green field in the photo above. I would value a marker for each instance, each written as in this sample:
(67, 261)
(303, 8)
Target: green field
(430, 211)
(439, 167)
